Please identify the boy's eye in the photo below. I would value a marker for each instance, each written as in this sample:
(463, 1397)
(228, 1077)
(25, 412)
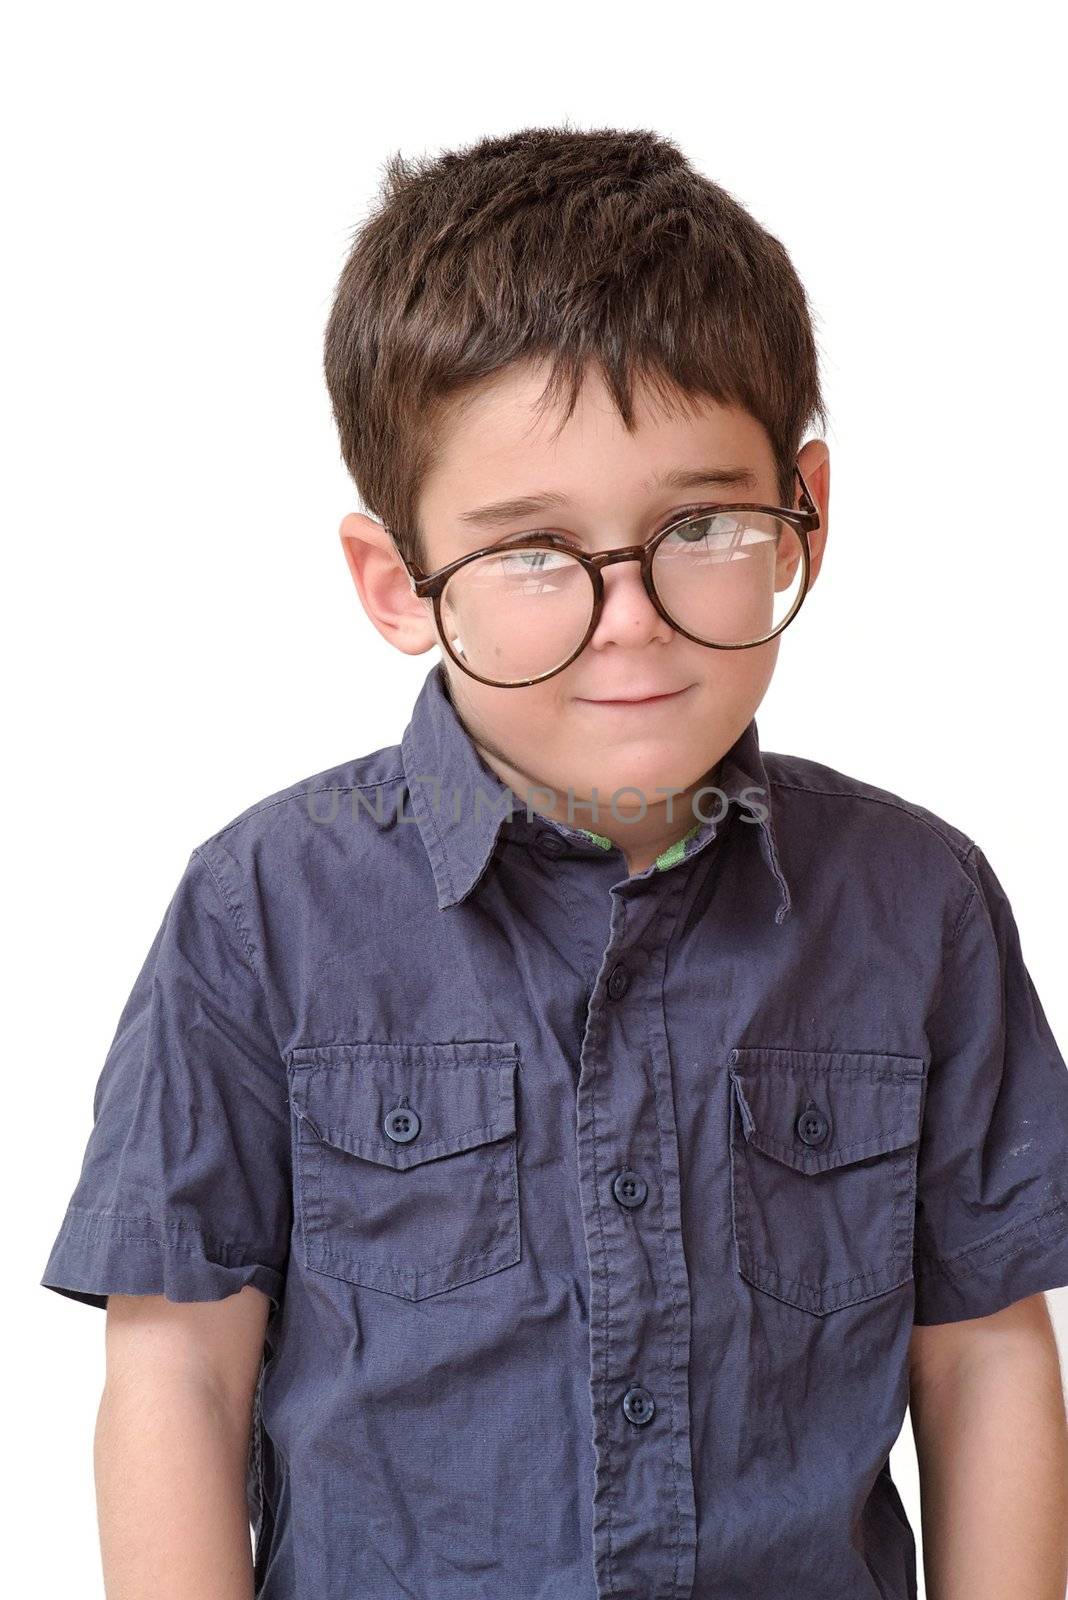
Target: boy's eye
(522, 563)
(700, 523)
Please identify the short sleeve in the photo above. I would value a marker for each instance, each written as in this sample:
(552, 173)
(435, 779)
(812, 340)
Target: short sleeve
(185, 1184)
(992, 1181)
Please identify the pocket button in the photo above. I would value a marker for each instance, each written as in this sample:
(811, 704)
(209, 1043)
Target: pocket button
(402, 1124)
(630, 1188)
(813, 1125)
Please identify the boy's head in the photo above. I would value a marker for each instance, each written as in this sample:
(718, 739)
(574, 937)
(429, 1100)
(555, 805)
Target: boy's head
(574, 314)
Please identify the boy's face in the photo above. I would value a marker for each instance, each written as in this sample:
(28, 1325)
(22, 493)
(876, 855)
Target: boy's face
(558, 734)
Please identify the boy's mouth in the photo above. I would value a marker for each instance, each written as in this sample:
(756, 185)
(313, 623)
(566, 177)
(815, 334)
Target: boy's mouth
(650, 699)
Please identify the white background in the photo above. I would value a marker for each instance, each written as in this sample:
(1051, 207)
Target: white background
(182, 636)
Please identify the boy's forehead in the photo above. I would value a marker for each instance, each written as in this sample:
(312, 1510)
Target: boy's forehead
(503, 441)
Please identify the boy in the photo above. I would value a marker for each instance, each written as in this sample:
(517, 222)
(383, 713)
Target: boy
(549, 1153)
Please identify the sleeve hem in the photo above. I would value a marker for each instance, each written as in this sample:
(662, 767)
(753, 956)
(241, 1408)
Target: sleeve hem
(1027, 1258)
(97, 1253)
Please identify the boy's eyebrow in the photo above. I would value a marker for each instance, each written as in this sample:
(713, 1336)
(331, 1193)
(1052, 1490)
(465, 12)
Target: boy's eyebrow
(735, 478)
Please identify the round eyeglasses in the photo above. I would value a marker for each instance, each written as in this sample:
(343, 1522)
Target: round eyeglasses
(517, 612)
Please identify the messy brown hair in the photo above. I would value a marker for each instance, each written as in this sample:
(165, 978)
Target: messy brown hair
(598, 246)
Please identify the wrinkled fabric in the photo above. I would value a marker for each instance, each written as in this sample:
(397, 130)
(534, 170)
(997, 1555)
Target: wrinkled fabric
(594, 1211)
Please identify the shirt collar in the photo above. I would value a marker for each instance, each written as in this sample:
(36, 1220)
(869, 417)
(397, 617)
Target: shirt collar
(461, 805)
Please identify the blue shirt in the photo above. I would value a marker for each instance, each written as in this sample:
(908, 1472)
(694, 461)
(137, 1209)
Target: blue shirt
(595, 1211)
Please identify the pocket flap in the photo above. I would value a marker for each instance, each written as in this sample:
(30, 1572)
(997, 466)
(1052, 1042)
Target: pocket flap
(462, 1095)
(816, 1109)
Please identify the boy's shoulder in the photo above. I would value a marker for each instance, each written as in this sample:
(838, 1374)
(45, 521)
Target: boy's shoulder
(316, 798)
(814, 795)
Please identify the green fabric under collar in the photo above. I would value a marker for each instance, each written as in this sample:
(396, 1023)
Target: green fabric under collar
(666, 858)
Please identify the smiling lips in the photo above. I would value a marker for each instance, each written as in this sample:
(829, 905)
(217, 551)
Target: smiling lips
(641, 700)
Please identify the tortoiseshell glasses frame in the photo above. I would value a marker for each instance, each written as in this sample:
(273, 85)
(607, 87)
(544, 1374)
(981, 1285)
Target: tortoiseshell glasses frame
(430, 585)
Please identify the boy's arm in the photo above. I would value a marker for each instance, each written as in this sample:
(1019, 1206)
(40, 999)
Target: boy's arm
(171, 1446)
(988, 1416)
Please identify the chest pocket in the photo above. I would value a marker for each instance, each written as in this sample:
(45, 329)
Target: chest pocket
(823, 1149)
(406, 1163)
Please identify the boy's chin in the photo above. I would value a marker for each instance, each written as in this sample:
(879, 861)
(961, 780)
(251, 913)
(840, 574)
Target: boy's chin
(650, 780)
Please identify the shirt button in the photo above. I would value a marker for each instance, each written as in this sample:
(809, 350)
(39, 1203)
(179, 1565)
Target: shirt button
(812, 1125)
(629, 1188)
(638, 1405)
(618, 982)
(551, 844)
(402, 1124)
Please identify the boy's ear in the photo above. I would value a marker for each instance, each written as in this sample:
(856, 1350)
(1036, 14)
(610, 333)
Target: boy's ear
(814, 459)
(383, 586)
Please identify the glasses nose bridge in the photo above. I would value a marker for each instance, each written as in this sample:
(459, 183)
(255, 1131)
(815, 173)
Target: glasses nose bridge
(628, 552)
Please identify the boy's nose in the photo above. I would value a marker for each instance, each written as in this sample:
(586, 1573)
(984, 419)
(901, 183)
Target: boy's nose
(628, 616)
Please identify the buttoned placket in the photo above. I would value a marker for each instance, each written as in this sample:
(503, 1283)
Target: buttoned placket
(630, 1192)
(640, 1303)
